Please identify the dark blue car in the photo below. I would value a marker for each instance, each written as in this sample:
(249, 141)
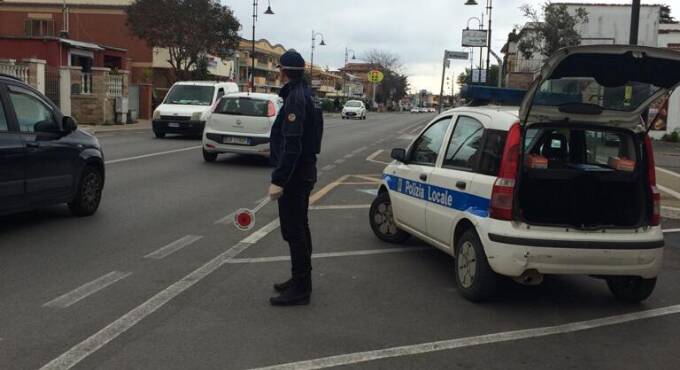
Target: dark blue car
(44, 158)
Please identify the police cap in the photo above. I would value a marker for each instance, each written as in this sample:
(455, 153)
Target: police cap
(292, 60)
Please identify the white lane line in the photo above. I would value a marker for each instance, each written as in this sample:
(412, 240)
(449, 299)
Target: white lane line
(90, 345)
(173, 247)
(226, 219)
(340, 161)
(371, 158)
(152, 155)
(671, 231)
(328, 167)
(87, 289)
(444, 345)
(668, 191)
(341, 206)
(367, 252)
(668, 172)
(359, 150)
(348, 156)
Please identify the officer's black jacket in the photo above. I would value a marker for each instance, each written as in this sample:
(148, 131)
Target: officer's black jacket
(290, 144)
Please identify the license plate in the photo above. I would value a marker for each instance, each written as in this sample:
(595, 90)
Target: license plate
(236, 140)
(174, 124)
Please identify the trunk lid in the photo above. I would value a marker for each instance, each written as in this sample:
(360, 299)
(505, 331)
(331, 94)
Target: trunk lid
(610, 85)
(242, 114)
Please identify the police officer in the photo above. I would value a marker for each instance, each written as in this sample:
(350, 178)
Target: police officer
(295, 141)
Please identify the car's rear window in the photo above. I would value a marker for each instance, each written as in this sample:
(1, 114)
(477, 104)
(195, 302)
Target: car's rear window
(243, 106)
(587, 148)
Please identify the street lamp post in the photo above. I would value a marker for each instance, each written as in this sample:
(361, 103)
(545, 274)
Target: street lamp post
(311, 61)
(252, 51)
(489, 7)
(347, 51)
(634, 22)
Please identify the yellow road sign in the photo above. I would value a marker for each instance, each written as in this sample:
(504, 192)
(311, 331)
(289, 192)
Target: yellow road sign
(375, 76)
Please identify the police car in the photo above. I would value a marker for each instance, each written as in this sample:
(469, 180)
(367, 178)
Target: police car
(563, 185)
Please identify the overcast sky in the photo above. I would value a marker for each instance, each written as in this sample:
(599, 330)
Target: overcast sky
(417, 30)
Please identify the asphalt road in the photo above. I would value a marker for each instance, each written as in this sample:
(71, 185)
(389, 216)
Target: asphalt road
(158, 280)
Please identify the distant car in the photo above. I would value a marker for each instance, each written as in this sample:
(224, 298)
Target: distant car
(354, 109)
(431, 110)
(240, 123)
(423, 110)
(415, 110)
(187, 105)
(44, 158)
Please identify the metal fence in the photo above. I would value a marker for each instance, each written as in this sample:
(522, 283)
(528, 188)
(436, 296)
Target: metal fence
(114, 85)
(19, 71)
(52, 84)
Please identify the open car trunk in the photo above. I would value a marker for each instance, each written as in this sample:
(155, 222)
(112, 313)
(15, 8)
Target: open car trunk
(585, 177)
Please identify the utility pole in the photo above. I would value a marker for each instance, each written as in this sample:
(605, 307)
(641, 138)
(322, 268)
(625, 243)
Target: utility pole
(489, 6)
(634, 22)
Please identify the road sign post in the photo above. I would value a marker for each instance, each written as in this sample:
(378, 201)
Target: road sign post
(375, 77)
(448, 54)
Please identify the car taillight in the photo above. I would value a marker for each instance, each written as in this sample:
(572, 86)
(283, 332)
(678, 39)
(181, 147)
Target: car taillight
(651, 175)
(271, 110)
(504, 188)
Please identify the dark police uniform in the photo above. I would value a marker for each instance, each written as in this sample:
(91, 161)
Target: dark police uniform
(295, 141)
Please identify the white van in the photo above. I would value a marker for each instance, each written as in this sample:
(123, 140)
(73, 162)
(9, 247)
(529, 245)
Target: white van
(187, 106)
(564, 185)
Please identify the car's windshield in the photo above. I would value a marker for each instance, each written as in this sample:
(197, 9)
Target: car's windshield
(243, 106)
(628, 97)
(353, 104)
(190, 95)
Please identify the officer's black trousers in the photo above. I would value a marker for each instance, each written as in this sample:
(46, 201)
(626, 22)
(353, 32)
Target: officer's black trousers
(293, 208)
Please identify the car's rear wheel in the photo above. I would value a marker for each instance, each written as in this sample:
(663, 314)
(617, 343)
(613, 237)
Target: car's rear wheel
(209, 157)
(159, 134)
(475, 279)
(632, 289)
(382, 222)
(89, 195)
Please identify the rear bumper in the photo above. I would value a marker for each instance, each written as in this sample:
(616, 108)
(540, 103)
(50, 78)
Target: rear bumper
(512, 250)
(184, 127)
(212, 144)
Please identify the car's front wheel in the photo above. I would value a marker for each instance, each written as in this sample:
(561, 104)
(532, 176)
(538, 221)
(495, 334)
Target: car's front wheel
(382, 222)
(632, 289)
(475, 279)
(89, 195)
(209, 157)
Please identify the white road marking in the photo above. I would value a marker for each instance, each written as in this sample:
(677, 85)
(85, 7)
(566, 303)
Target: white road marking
(90, 345)
(328, 167)
(173, 247)
(359, 150)
(671, 231)
(668, 191)
(152, 155)
(367, 252)
(226, 219)
(348, 156)
(87, 289)
(445, 345)
(341, 206)
(340, 161)
(668, 172)
(373, 192)
(371, 158)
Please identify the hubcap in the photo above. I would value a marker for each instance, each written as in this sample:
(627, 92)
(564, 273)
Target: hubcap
(91, 190)
(467, 264)
(384, 220)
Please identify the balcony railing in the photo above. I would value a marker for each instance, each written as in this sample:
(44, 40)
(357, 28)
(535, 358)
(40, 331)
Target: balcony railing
(19, 71)
(526, 65)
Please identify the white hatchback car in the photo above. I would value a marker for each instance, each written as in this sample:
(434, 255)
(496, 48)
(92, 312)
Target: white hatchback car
(354, 109)
(565, 185)
(240, 123)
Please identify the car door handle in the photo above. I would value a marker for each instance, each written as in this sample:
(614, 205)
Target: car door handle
(423, 177)
(461, 185)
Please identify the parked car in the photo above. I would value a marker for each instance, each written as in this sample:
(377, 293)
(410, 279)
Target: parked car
(423, 110)
(44, 158)
(187, 105)
(415, 110)
(545, 189)
(354, 109)
(240, 123)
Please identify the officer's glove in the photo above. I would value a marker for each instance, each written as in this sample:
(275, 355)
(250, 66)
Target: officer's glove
(275, 191)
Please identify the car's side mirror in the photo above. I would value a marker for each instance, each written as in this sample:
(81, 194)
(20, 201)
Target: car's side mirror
(69, 124)
(399, 154)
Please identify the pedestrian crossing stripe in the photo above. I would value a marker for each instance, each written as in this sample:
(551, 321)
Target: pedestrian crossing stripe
(449, 198)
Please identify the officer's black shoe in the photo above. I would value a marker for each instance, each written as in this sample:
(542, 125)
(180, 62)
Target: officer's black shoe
(298, 293)
(282, 287)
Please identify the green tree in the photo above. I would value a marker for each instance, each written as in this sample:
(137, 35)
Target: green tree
(189, 29)
(395, 85)
(465, 78)
(551, 31)
(666, 16)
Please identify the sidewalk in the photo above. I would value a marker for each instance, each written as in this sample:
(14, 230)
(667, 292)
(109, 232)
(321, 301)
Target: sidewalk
(140, 125)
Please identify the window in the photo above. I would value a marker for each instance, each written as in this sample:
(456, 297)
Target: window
(242, 106)
(466, 141)
(32, 114)
(3, 119)
(190, 95)
(39, 27)
(490, 161)
(426, 148)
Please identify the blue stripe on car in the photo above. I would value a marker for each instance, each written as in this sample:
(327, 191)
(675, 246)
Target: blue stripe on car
(444, 197)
